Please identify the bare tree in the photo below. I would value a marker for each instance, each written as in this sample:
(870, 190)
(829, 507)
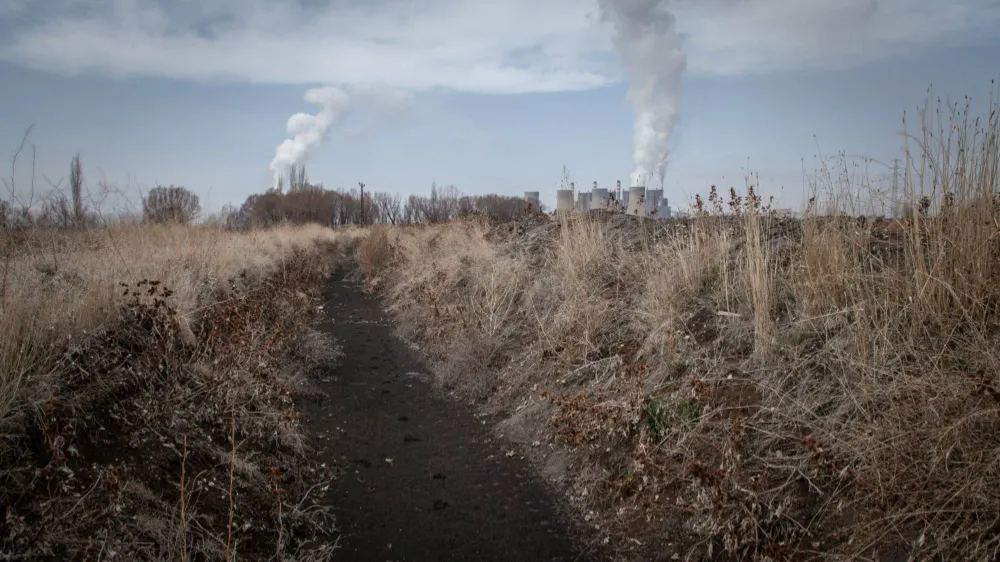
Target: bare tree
(389, 207)
(170, 204)
(20, 210)
(56, 212)
(500, 207)
(442, 205)
(411, 210)
(76, 188)
(297, 179)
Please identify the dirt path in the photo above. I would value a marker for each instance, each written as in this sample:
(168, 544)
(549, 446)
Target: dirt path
(424, 479)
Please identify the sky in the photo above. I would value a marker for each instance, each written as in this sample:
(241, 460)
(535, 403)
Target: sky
(493, 97)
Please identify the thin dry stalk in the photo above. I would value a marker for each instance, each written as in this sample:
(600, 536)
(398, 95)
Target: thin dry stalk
(232, 502)
(183, 531)
(760, 279)
(3, 290)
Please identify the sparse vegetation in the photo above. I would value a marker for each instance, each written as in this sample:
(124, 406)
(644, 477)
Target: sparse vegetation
(742, 385)
(147, 393)
(738, 385)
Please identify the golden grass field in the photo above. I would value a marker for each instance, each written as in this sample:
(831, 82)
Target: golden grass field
(747, 386)
(60, 286)
(731, 386)
(144, 365)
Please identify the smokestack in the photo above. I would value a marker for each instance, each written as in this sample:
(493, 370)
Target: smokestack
(650, 48)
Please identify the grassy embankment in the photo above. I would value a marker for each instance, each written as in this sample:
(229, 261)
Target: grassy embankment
(738, 385)
(147, 393)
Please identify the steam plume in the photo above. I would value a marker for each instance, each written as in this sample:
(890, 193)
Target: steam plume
(650, 47)
(308, 131)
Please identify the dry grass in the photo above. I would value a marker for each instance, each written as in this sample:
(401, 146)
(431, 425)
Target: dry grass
(375, 252)
(61, 286)
(149, 385)
(751, 387)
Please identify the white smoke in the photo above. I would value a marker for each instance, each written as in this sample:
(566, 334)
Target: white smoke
(306, 132)
(647, 40)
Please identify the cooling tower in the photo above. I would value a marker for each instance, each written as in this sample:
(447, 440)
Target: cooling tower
(663, 210)
(534, 198)
(583, 202)
(564, 201)
(624, 201)
(653, 198)
(636, 201)
(599, 199)
(651, 201)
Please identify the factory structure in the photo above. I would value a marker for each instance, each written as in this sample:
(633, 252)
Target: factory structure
(636, 200)
(534, 199)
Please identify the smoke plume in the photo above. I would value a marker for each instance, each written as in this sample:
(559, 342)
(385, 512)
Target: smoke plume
(307, 131)
(650, 47)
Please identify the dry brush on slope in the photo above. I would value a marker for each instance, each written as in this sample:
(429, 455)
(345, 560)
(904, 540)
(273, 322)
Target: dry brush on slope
(743, 386)
(148, 394)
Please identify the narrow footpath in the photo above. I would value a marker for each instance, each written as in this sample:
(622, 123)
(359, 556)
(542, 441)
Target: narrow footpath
(423, 479)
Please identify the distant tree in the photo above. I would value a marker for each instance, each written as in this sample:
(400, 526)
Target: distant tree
(411, 210)
(170, 204)
(500, 207)
(297, 179)
(76, 188)
(56, 213)
(6, 214)
(388, 206)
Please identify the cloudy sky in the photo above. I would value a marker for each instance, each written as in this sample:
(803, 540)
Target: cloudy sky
(489, 96)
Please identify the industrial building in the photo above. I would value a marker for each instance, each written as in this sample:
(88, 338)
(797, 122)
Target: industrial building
(636, 200)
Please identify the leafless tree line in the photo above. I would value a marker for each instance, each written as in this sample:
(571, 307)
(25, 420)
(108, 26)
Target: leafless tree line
(74, 205)
(307, 202)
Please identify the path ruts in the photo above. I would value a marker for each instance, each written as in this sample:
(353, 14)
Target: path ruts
(423, 478)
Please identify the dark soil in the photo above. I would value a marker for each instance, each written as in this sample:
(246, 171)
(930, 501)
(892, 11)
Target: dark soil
(422, 477)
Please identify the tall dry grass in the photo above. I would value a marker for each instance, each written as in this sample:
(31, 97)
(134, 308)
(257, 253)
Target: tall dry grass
(824, 388)
(59, 287)
(375, 252)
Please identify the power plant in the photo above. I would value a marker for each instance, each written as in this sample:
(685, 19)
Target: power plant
(599, 200)
(636, 200)
(564, 201)
(534, 199)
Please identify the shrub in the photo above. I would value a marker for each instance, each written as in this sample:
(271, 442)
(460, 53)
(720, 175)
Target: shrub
(170, 204)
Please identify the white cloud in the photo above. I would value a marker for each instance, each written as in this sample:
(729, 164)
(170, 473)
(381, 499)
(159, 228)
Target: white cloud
(496, 47)
(733, 37)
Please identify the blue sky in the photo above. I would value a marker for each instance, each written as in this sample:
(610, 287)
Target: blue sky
(501, 96)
